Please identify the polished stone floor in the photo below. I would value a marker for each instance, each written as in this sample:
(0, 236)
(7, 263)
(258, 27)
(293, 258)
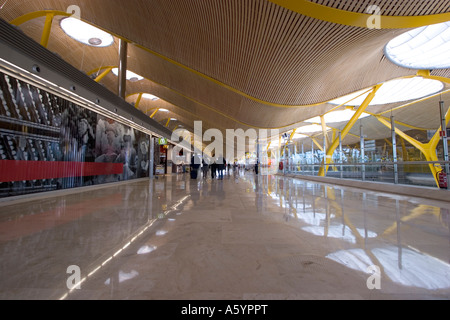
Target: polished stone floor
(243, 237)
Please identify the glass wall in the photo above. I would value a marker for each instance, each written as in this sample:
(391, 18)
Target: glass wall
(49, 143)
(368, 160)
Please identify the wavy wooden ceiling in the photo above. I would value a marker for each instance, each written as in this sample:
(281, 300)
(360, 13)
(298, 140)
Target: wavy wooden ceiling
(390, 8)
(232, 63)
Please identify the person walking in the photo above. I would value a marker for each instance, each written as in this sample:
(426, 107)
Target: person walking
(213, 166)
(205, 168)
(221, 163)
(195, 165)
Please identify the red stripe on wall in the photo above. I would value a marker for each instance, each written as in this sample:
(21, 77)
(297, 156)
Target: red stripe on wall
(19, 170)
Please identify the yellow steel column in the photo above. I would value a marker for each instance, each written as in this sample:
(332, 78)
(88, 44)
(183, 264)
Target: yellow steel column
(404, 152)
(427, 149)
(168, 121)
(47, 29)
(153, 114)
(103, 74)
(388, 142)
(287, 142)
(279, 145)
(136, 105)
(37, 14)
(324, 131)
(317, 144)
(324, 168)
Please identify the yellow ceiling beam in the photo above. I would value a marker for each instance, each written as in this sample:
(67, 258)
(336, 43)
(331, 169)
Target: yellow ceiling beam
(427, 149)
(47, 29)
(136, 105)
(37, 14)
(324, 130)
(398, 122)
(355, 19)
(154, 112)
(413, 102)
(288, 3)
(317, 144)
(329, 152)
(103, 74)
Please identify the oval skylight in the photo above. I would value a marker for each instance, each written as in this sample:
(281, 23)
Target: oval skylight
(133, 77)
(150, 97)
(395, 91)
(424, 48)
(337, 116)
(299, 136)
(312, 128)
(86, 33)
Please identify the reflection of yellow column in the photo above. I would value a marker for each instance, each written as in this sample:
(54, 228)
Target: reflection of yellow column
(47, 29)
(415, 213)
(332, 203)
(324, 168)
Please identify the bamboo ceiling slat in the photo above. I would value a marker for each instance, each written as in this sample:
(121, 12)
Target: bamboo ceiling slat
(253, 46)
(389, 7)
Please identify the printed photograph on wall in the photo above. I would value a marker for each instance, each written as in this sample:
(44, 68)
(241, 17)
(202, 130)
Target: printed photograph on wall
(118, 143)
(77, 142)
(143, 159)
(49, 143)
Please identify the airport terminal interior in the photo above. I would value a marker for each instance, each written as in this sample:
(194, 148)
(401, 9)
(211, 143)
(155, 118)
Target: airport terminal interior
(224, 150)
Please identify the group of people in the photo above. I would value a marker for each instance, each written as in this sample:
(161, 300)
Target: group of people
(216, 165)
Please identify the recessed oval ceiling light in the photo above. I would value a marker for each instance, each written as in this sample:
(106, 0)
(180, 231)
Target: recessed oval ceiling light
(85, 33)
(395, 91)
(173, 119)
(337, 116)
(133, 77)
(423, 48)
(163, 110)
(95, 41)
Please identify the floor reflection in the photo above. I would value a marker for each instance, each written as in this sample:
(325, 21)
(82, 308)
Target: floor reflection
(160, 233)
(410, 242)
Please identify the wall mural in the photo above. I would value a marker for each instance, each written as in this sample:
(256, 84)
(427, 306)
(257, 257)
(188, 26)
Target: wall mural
(49, 143)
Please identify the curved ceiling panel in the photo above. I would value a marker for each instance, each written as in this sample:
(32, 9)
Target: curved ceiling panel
(389, 7)
(234, 63)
